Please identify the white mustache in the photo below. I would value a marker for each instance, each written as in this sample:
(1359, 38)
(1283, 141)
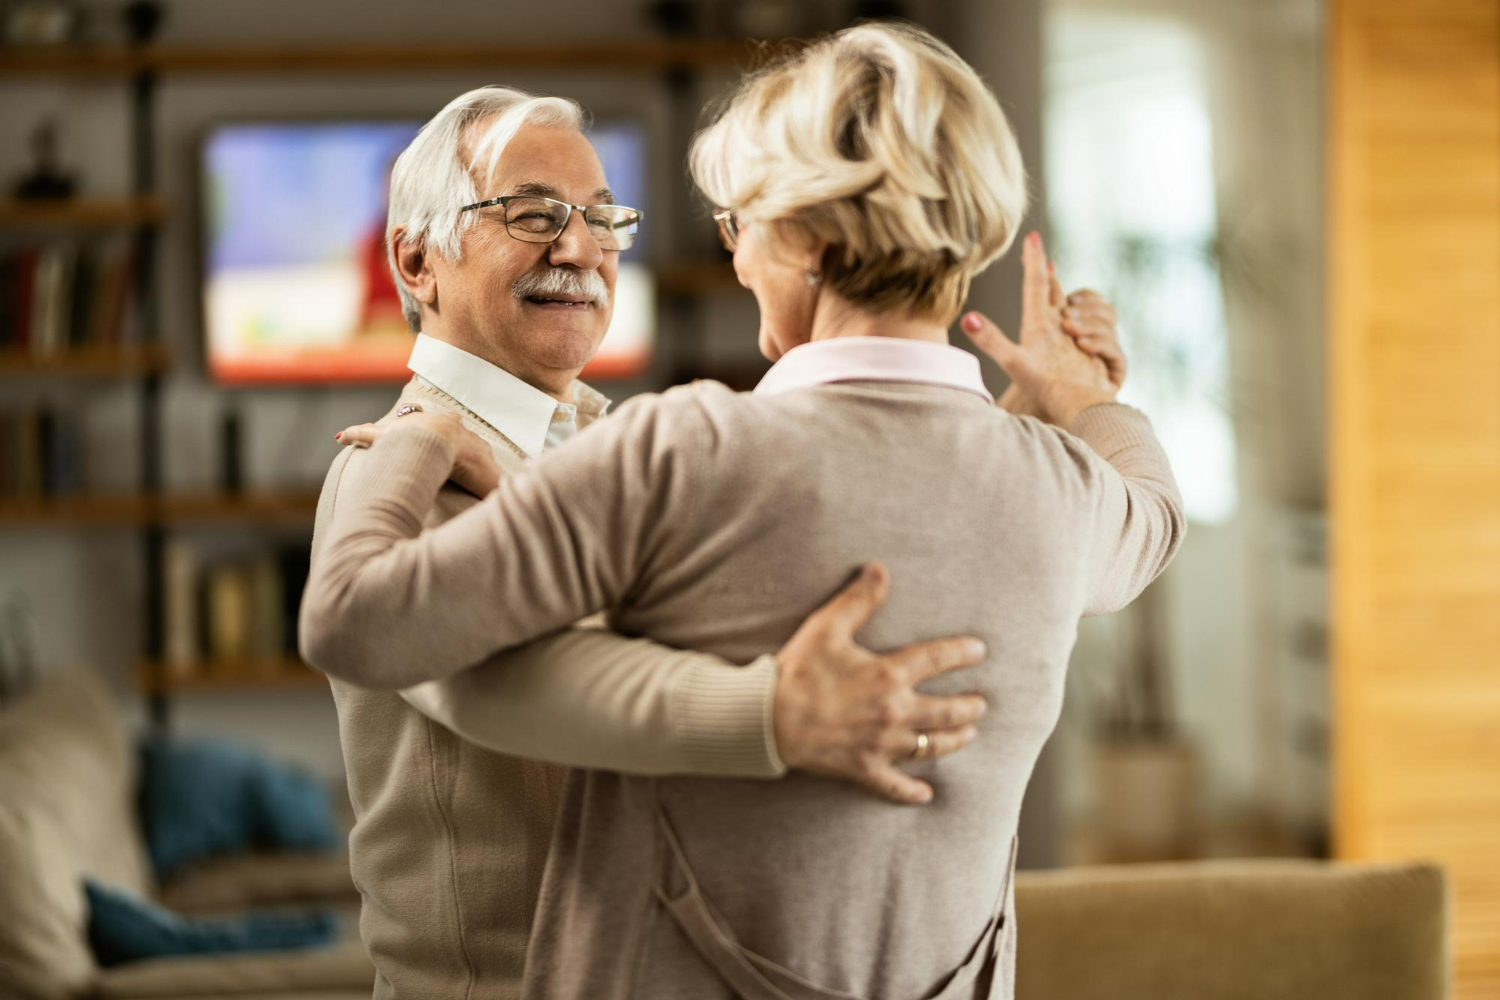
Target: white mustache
(562, 281)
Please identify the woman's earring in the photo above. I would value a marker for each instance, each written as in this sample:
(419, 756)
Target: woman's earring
(813, 277)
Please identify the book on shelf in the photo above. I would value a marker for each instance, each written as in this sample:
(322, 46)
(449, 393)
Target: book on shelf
(42, 452)
(230, 613)
(67, 295)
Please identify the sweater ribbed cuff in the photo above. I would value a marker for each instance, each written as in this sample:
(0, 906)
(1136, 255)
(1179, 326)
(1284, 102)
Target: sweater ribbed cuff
(1110, 428)
(407, 466)
(724, 719)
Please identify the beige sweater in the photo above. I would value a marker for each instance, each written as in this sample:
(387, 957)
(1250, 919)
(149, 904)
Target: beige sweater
(450, 839)
(717, 521)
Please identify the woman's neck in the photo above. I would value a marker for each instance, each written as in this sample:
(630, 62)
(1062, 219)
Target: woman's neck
(834, 317)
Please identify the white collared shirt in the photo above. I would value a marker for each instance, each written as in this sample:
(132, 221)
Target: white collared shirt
(875, 359)
(530, 418)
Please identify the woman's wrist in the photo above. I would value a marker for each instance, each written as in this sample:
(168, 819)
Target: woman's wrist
(1063, 408)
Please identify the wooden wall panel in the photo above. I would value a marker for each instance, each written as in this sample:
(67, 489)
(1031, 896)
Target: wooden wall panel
(1414, 361)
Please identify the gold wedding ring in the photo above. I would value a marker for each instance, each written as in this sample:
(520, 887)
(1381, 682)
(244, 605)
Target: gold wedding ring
(408, 409)
(923, 745)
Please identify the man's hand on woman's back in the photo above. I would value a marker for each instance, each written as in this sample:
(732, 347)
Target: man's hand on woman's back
(847, 712)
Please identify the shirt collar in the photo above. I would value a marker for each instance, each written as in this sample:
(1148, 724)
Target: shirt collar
(520, 411)
(874, 359)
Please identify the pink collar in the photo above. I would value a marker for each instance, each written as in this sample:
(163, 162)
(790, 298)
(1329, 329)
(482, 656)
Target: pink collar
(874, 359)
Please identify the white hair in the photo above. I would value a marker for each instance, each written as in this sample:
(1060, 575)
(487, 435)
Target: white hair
(882, 144)
(435, 176)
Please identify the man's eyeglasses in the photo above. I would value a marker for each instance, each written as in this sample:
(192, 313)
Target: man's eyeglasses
(532, 219)
(729, 228)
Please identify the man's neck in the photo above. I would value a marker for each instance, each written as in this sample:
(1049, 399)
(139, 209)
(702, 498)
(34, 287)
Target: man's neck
(557, 384)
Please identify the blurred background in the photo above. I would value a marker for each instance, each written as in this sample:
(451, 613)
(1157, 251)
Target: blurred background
(1294, 204)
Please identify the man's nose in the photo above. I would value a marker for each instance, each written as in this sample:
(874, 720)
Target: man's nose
(575, 246)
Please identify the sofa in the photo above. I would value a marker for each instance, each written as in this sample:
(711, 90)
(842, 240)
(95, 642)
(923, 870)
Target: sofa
(67, 809)
(1267, 930)
(1233, 930)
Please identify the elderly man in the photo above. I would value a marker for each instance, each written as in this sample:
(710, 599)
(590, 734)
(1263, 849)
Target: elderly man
(505, 242)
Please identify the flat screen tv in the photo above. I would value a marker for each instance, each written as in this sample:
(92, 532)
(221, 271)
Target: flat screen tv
(296, 286)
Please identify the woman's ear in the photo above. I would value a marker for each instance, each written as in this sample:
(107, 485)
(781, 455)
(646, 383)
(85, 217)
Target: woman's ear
(414, 268)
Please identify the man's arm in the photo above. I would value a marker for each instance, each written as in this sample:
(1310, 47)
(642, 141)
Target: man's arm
(587, 697)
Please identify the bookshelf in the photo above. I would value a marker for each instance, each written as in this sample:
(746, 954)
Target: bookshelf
(649, 55)
(94, 361)
(228, 675)
(696, 277)
(159, 514)
(83, 213)
(266, 507)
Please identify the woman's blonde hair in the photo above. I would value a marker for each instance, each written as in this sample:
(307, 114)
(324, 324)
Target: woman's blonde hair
(882, 143)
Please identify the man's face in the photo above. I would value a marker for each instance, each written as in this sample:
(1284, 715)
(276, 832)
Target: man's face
(560, 329)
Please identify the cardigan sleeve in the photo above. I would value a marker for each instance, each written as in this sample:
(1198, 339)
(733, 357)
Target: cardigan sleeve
(389, 605)
(1137, 518)
(590, 698)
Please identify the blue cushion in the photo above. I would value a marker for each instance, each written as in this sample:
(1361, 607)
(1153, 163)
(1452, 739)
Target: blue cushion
(124, 928)
(200, 798)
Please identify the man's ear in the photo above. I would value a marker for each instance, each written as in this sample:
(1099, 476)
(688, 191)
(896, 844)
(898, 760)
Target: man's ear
(414, 266)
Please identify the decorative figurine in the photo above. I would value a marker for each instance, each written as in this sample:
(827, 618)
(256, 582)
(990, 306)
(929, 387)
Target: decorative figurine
(45, 180)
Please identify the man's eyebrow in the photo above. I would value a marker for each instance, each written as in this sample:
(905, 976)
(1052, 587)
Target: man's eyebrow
(535, 189)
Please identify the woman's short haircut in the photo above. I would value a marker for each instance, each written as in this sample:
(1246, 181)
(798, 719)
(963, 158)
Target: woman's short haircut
(881, 143)
(436, 175)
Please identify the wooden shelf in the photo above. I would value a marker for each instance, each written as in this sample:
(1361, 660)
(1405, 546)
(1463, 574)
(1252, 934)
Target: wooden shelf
(103, 361)
(641, 56)
(292, 507)
(82, 213)
(260, 506)
(696, 277)
(237, 675)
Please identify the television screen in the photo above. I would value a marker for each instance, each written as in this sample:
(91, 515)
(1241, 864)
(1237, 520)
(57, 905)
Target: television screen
(297, 288)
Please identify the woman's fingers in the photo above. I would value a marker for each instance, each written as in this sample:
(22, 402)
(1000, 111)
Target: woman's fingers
(1054, 286)
(1036, 290)
(360, 435)
(990, 339)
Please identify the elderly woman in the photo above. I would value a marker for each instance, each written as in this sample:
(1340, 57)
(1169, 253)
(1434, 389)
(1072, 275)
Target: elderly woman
(865, 180)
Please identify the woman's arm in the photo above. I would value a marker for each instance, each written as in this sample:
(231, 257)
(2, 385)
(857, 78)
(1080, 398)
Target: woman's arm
(1138, 520)
(388, 605)
(1065, 370)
